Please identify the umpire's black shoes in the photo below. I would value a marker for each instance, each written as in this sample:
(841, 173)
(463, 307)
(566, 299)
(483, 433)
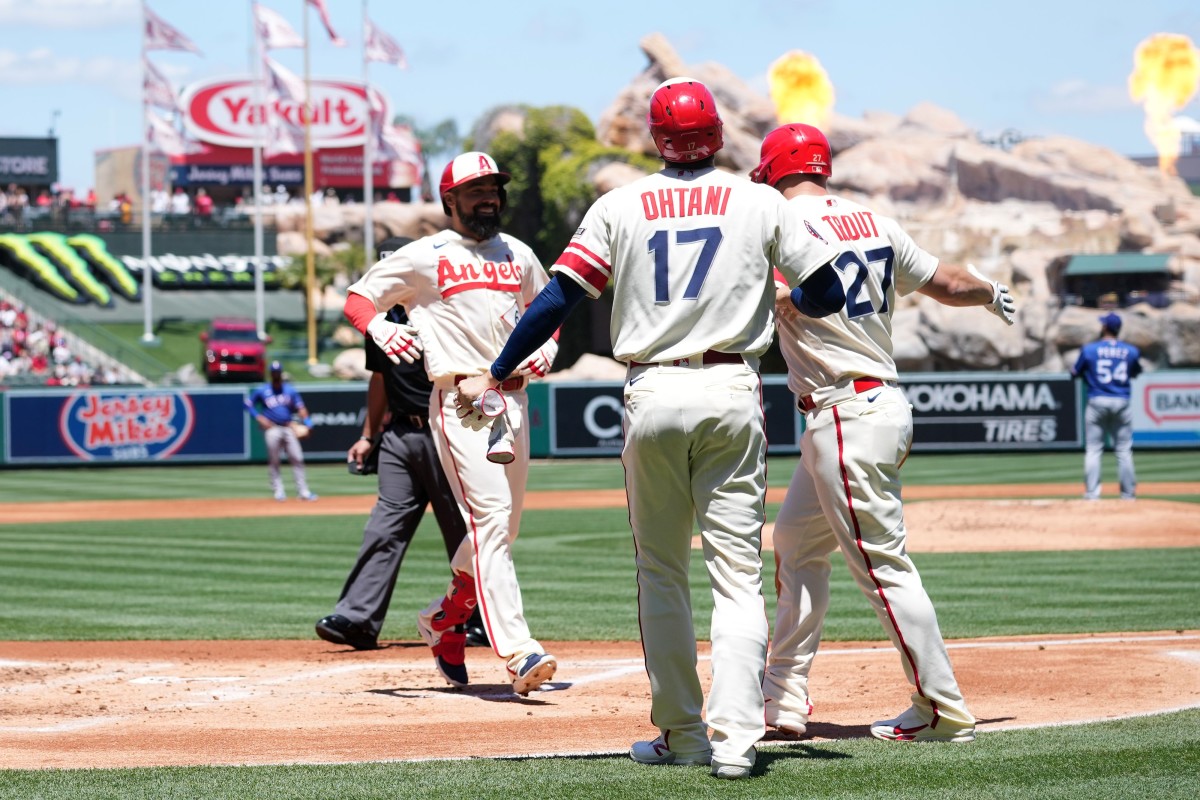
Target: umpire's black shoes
(339, 630)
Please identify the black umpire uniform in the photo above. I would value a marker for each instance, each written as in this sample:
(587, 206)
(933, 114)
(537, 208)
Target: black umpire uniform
(410, 476)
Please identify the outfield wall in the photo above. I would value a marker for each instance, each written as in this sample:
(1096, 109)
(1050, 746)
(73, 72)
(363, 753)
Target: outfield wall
(951, 412)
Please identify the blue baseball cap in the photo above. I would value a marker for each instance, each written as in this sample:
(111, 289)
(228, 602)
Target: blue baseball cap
(1111, 321)
(276, 366)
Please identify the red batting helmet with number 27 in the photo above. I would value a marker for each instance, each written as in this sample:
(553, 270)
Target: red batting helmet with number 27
(790, 150)
(466, 168)
(683, 121)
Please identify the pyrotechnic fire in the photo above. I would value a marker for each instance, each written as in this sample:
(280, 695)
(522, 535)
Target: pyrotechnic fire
(1166, 72)
(800, 89)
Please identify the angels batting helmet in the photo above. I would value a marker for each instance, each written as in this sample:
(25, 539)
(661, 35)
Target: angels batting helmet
(790, 150)
(683, 121)
(466, 168)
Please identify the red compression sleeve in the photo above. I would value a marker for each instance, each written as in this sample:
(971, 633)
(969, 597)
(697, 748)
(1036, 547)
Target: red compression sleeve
(360, 311)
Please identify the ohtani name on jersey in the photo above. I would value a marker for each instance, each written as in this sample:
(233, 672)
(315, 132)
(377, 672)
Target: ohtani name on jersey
(503, 276)
(686, 201)
(849, 227)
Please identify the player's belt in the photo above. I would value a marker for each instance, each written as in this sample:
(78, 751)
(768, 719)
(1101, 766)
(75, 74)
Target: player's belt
(860, 385)
(513, 384)
(707, 357)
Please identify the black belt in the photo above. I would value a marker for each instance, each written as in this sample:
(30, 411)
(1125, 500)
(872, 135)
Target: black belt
(417, 421)
(860, 385)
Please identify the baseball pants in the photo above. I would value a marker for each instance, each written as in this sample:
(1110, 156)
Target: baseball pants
(490, 498)
(282, 439)
(695, 454)
(1112, 416)
(846, 493)
(410, 477)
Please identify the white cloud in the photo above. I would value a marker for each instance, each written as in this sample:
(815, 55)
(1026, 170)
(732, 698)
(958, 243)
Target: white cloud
(69, 13)
(41, 67)
(1075, 96)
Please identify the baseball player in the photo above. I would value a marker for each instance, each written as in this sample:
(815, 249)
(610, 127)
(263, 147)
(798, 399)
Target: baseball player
(464, 290)
(274, 405)
(858, 429)
(688, 251)
(410, 478)
(1107, 366)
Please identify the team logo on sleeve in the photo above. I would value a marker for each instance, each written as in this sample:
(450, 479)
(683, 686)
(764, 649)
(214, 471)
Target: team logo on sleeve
(579, 232)
(813, 231)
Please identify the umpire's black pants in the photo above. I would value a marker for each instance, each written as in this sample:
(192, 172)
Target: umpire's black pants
(410, 476)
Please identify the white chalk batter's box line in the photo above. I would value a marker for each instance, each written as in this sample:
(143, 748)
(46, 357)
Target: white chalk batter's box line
(606, 670)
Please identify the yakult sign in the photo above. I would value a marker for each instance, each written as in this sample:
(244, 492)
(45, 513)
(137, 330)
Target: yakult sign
(223, 111)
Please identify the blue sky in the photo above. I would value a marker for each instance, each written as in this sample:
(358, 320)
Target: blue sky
(1040, 66)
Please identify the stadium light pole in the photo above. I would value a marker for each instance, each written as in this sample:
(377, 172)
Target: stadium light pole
(148, 336)
(310, 273)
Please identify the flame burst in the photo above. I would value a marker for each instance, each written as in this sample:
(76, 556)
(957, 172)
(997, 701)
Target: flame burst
(800, 89)
(1166, 72)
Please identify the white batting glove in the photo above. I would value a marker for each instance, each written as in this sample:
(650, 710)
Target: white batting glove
(1003, 305)
(541, 361)
(398, 342)
(483, 410)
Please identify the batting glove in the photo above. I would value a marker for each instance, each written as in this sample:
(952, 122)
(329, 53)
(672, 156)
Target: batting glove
(398, 342)
(1003, 305)
(483, 410)
(540, 362)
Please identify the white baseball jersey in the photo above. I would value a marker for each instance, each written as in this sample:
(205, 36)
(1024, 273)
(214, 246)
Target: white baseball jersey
(687, 252)
(465, 297)
(878, 262)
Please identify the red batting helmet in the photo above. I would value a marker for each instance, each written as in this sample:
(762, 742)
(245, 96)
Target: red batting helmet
(466, 168)
(683, 121)
(790, 150)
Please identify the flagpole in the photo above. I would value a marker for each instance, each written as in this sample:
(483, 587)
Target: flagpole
(256, 58)
(368, 155)
(309, 266)
(148, 336)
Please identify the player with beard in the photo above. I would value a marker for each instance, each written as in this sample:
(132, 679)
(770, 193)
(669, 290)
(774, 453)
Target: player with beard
(464, 289)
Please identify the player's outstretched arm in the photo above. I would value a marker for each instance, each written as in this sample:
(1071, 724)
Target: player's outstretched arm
(955, 285)
(821, 294)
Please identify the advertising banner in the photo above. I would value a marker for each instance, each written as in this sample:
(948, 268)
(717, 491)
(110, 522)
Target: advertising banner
(29, 162)
(586, 418)
(1166, 409)
(338, 413)
(123, 425)
(993, 411)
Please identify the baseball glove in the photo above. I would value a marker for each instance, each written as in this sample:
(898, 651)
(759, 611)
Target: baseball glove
(301, 430)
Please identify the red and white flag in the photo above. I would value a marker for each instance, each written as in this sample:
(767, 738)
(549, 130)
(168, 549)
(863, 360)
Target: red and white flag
(159, 91)
(319, 5)
(159, 35)
(283, 138)
(273, 30)
(398, 143)
(162, 135)
(282, 82)
(381, 47)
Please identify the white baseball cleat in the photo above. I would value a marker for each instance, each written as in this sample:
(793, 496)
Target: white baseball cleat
(787, 722)
(735, 769)
(911, 727)
(657, 753)
(536, 669)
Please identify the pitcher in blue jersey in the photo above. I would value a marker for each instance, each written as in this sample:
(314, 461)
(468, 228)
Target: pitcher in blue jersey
(1107, 366)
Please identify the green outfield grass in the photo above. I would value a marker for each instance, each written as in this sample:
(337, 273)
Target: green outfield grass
(272, 577)
(172, 481)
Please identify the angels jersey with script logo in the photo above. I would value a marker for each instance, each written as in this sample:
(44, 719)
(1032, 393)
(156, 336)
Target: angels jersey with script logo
(878, 262)
(464, 296)
(688, 253)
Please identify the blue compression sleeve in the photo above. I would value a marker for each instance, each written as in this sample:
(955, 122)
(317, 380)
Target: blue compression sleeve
(821, 294)
(545, 314)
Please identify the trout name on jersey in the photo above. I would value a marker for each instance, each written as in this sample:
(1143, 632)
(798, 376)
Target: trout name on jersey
(502, 276)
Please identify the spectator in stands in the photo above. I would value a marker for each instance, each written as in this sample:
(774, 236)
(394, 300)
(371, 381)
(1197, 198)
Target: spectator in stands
(331, 197)
(8, 314)
(160, 201)
(281, 195)
(125, 207)
(204, 204)
(44, 200)
(90, 200)
(181, 203)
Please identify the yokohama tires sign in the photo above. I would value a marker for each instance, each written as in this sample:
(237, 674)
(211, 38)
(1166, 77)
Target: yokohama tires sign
(224, 111)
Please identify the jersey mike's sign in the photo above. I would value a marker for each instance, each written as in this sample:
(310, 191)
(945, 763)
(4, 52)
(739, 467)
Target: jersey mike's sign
(126, 425)
(228, 111)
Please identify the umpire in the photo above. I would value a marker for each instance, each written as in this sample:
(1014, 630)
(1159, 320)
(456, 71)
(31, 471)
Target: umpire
(410, 476)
